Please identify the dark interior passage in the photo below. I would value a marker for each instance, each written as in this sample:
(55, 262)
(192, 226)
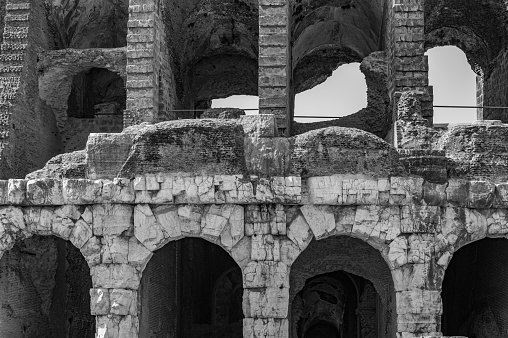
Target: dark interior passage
(191, 288)
(475, 294)
(44, 291)
(341, 287)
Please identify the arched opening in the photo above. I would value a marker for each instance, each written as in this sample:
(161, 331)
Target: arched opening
(454, 84)
(341, 286)
(44, 290)
(191, 288)
(95, 105)
(475, 293)
(343, 93)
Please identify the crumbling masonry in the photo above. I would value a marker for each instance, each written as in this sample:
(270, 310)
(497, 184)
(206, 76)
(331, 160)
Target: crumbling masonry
(119, 220)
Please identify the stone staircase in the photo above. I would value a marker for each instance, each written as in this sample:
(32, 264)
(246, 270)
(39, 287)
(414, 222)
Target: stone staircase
(12, 52)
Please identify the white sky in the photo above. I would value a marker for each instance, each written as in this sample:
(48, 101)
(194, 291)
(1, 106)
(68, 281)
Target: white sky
(344, 92)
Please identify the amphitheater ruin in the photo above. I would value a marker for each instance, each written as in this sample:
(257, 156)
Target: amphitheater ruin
(123, 216)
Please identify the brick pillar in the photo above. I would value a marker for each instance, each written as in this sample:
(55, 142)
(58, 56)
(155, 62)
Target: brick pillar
(275, 61)
(147, 76)
(409, 65)
(491, 91)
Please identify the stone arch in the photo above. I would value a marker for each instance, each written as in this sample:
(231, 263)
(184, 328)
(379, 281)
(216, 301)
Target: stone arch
(167, 228)
(58, 69)
(43, 252)
(474, 302)
(352, 256)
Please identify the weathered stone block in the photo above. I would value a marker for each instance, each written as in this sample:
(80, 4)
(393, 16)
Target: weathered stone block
(406, 190)
(457, 192)
(271, 302)
(112, 219)
(81, 191)
(115, 249)
(266, 274)
(99, 302)
(16, 193)
(123, 302)
(265, 248)
(45, 192)
(111, 276)
(320, 219)
(265, 328)
(299, 232)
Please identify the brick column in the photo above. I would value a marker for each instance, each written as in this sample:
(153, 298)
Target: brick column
(150, 83)
(275, 61)
(409, 65)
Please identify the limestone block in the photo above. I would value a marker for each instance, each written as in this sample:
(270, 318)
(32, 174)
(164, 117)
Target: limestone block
(419, 302)
(112, 219)
(169, 221)
(113, 326)
(123, 302)
(457, 192)
(359, 190)
(190, 219)
(233, 189)
(16, 192)
(128, 327)
(263, 219)
(344, 219)
(418, 310)
(265, 328)
(99, 302)
(266, 274)
(234, 230)
(497, 222)
(325, 190)
(198, 189)
(476, 224)
(289, 251)
(299, 232)
(320, 219)
(139, 183)
(111, 276)
(405, 190)
(12, 219)
(63, 220)
(265, 248)
(120, 190)
(420, 219)
(38, 220)
(214, 221)
(376, 223)
(420, 248)
(92, 251)
(434, 194)
(387, 228)
(138, 254)
(397, 253)
(156, 189)
(146, 228)
(81, 191)
(241, 252)
(81, 233)
(264, 192)
(411, 277)
(87, 215)
(115, 249)
(44, 192)
(4, 192)
(481, 194)
(271, 302)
